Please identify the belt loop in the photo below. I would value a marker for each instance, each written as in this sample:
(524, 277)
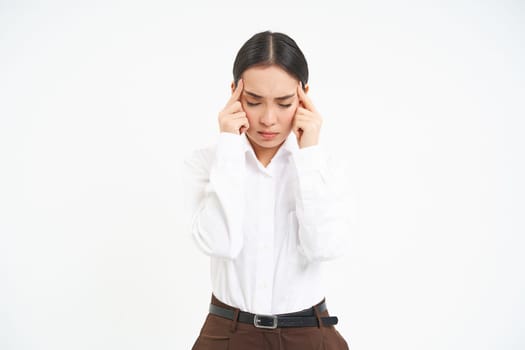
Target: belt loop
(318, 315)
(233, 327)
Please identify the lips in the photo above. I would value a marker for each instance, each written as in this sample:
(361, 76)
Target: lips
(268, 135)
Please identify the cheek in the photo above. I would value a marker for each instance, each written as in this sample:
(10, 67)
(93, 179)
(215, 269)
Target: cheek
(251, 115)
(288, 115)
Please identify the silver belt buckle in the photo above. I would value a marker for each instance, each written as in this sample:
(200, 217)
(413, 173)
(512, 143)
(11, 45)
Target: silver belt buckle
(259, 321)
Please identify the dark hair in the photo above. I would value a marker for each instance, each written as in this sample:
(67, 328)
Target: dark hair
(268, 48)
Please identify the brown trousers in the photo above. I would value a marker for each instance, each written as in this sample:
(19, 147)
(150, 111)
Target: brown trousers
(219, 333)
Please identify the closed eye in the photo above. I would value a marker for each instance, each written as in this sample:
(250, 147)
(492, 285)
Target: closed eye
(252, 104)
(285, 105)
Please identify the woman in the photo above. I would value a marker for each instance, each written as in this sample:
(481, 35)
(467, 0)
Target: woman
(267, 208)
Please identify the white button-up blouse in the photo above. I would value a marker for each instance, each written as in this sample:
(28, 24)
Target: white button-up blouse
(267, 229)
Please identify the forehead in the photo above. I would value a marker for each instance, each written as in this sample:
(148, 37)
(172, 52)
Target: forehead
(269, 81)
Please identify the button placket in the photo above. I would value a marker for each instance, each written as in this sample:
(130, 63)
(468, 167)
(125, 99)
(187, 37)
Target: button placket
(265, 261)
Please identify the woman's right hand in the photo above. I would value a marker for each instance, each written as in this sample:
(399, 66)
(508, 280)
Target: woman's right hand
(233, 118)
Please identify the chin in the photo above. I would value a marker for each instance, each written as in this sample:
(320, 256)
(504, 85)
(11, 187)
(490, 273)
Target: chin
(279, 139)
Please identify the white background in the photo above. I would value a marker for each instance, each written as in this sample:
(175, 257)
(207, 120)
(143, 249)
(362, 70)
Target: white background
(101, 101)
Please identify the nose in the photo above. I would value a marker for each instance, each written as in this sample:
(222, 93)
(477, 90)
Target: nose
(269, 117)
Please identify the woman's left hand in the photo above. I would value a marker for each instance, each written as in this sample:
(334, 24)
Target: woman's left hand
(307, 121)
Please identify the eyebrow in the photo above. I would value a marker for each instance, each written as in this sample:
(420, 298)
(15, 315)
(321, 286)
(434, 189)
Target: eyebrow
(254, 95)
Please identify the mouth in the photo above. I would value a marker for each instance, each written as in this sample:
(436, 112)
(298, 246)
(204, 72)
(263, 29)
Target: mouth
(268, 135)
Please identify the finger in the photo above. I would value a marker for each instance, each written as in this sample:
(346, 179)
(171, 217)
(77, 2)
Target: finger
(298, 131)
(302, 111)
(238, 115)
(304, 98)
(246, 123)
(235, 106)
(302, 114)
(295, 128)
(296, 125)
(242, 125)
(237, 92)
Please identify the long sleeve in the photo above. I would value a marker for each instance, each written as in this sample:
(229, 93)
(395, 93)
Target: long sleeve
(322, 203)
(214, 183)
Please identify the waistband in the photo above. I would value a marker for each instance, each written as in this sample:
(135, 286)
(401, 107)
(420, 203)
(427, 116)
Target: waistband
(309, 317)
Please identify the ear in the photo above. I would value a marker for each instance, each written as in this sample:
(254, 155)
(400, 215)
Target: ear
(233, 86)
(306, 88)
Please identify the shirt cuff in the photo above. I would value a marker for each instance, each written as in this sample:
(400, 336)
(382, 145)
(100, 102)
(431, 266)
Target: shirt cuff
(309, 160)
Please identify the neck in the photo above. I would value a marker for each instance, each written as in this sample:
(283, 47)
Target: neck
(263, 154)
